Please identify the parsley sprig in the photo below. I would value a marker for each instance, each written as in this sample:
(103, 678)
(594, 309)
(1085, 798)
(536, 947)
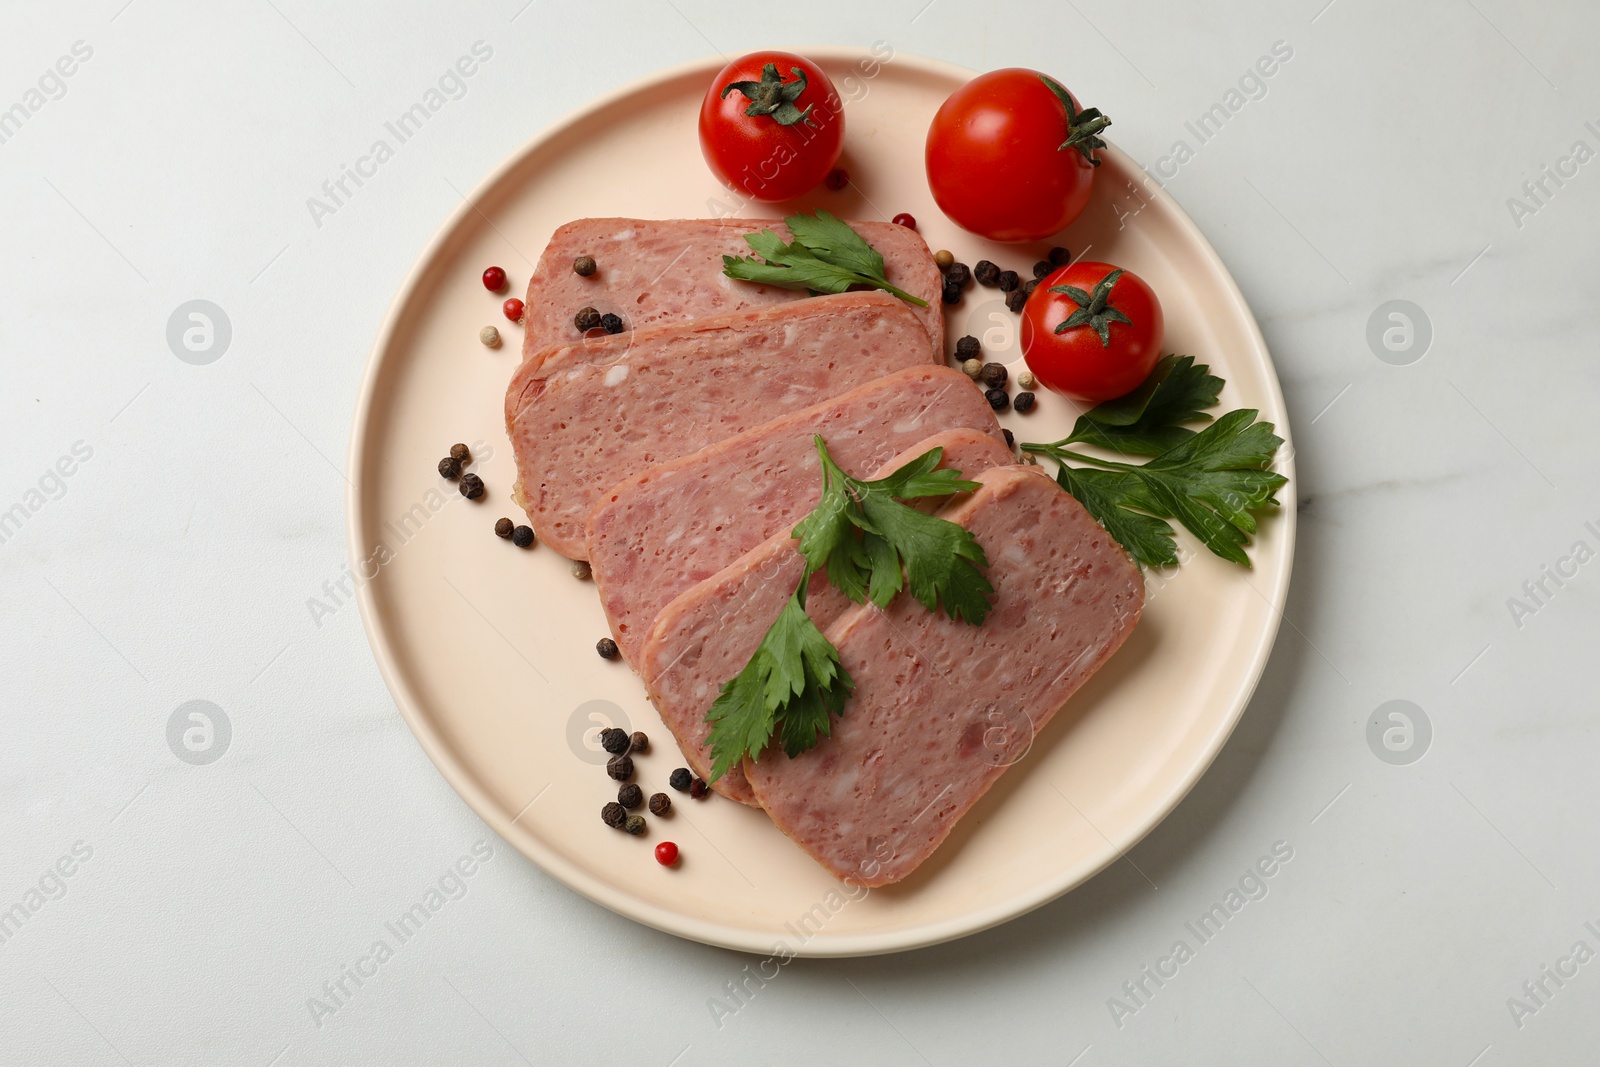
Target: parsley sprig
(1212, 481)
(940, 558)
(826, 256)
(871, 545)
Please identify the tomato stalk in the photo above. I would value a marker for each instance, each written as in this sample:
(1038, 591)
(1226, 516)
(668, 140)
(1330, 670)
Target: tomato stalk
(1093, 309)
(774, 97)
(1083, 127)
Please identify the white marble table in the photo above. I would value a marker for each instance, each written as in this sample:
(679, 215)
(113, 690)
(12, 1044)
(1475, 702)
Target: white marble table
(176, 519)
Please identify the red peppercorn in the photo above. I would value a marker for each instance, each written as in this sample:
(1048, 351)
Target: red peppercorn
(837, 179)
(666, 853)
(513, 309)
(494, 279)
(905, 220)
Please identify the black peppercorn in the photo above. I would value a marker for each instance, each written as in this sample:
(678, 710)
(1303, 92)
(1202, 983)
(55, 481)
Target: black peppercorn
(1015, 299)
(460, 453)
(1042, 268)
(680, 779)
(586, 319)
(1008, 281)
(958, 274)
(698, 788)
(635, 825)
(450, 468)
(630, 796)
(997, 399)
(503, 528)
(471, 486)
(613, 815)
(583, 266)
(522, 537)
(951, 294)
(1029, 286)
(993, 375)
(968, 348)
(606, 647)
(1011, 438)
(660, 804)
(1024, 403)
(986, 273)
(638, 742)
(611, 323)
(614, 741)
(620, 768)
(1059, 257)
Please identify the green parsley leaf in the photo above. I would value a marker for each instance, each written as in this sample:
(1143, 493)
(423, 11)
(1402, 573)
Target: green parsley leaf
(940, 559)
(792, 686)
(1212, 482)
(826, 256)
(870, 545)
(1147, 422)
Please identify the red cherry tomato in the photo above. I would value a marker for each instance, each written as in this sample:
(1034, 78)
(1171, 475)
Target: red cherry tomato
(793, 140)
(1009, 159)
(666, 853)
(1077, 360)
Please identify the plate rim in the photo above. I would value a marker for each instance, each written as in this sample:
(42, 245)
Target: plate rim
(462, 779)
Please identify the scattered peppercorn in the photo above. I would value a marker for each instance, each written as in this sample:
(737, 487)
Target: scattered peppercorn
(993, 375)
(1023, 403)
(958, 274)
(837, 179)
(490, 337)
(503, 528)
(461, 452)
(660, 804)
(611, 323)
(1026, 380)
(986, 273)
(613, 815)
(614, 740)
(680, 779)
(450, 468)
(522, 537)
(968, 347)
(635, 825)
(584, 266)
(1015, 299)
(905, 220)
(606, 647)
(951, 294)
(1059, 257)
(997, 399)
(586, 319)
(638, 742)
(630, 796)
(512, 309)
(620, 768)
(1008, 281)
(1029, 286)
(581, 571)
(971, 368)
(666, 853)
(943, 258)
(1011, 439)
(1042, 268)
(698, 788)
(494, 279)
(471, 486)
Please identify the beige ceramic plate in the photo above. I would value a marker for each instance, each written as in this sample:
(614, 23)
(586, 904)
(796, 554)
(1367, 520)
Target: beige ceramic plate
(489, 650)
